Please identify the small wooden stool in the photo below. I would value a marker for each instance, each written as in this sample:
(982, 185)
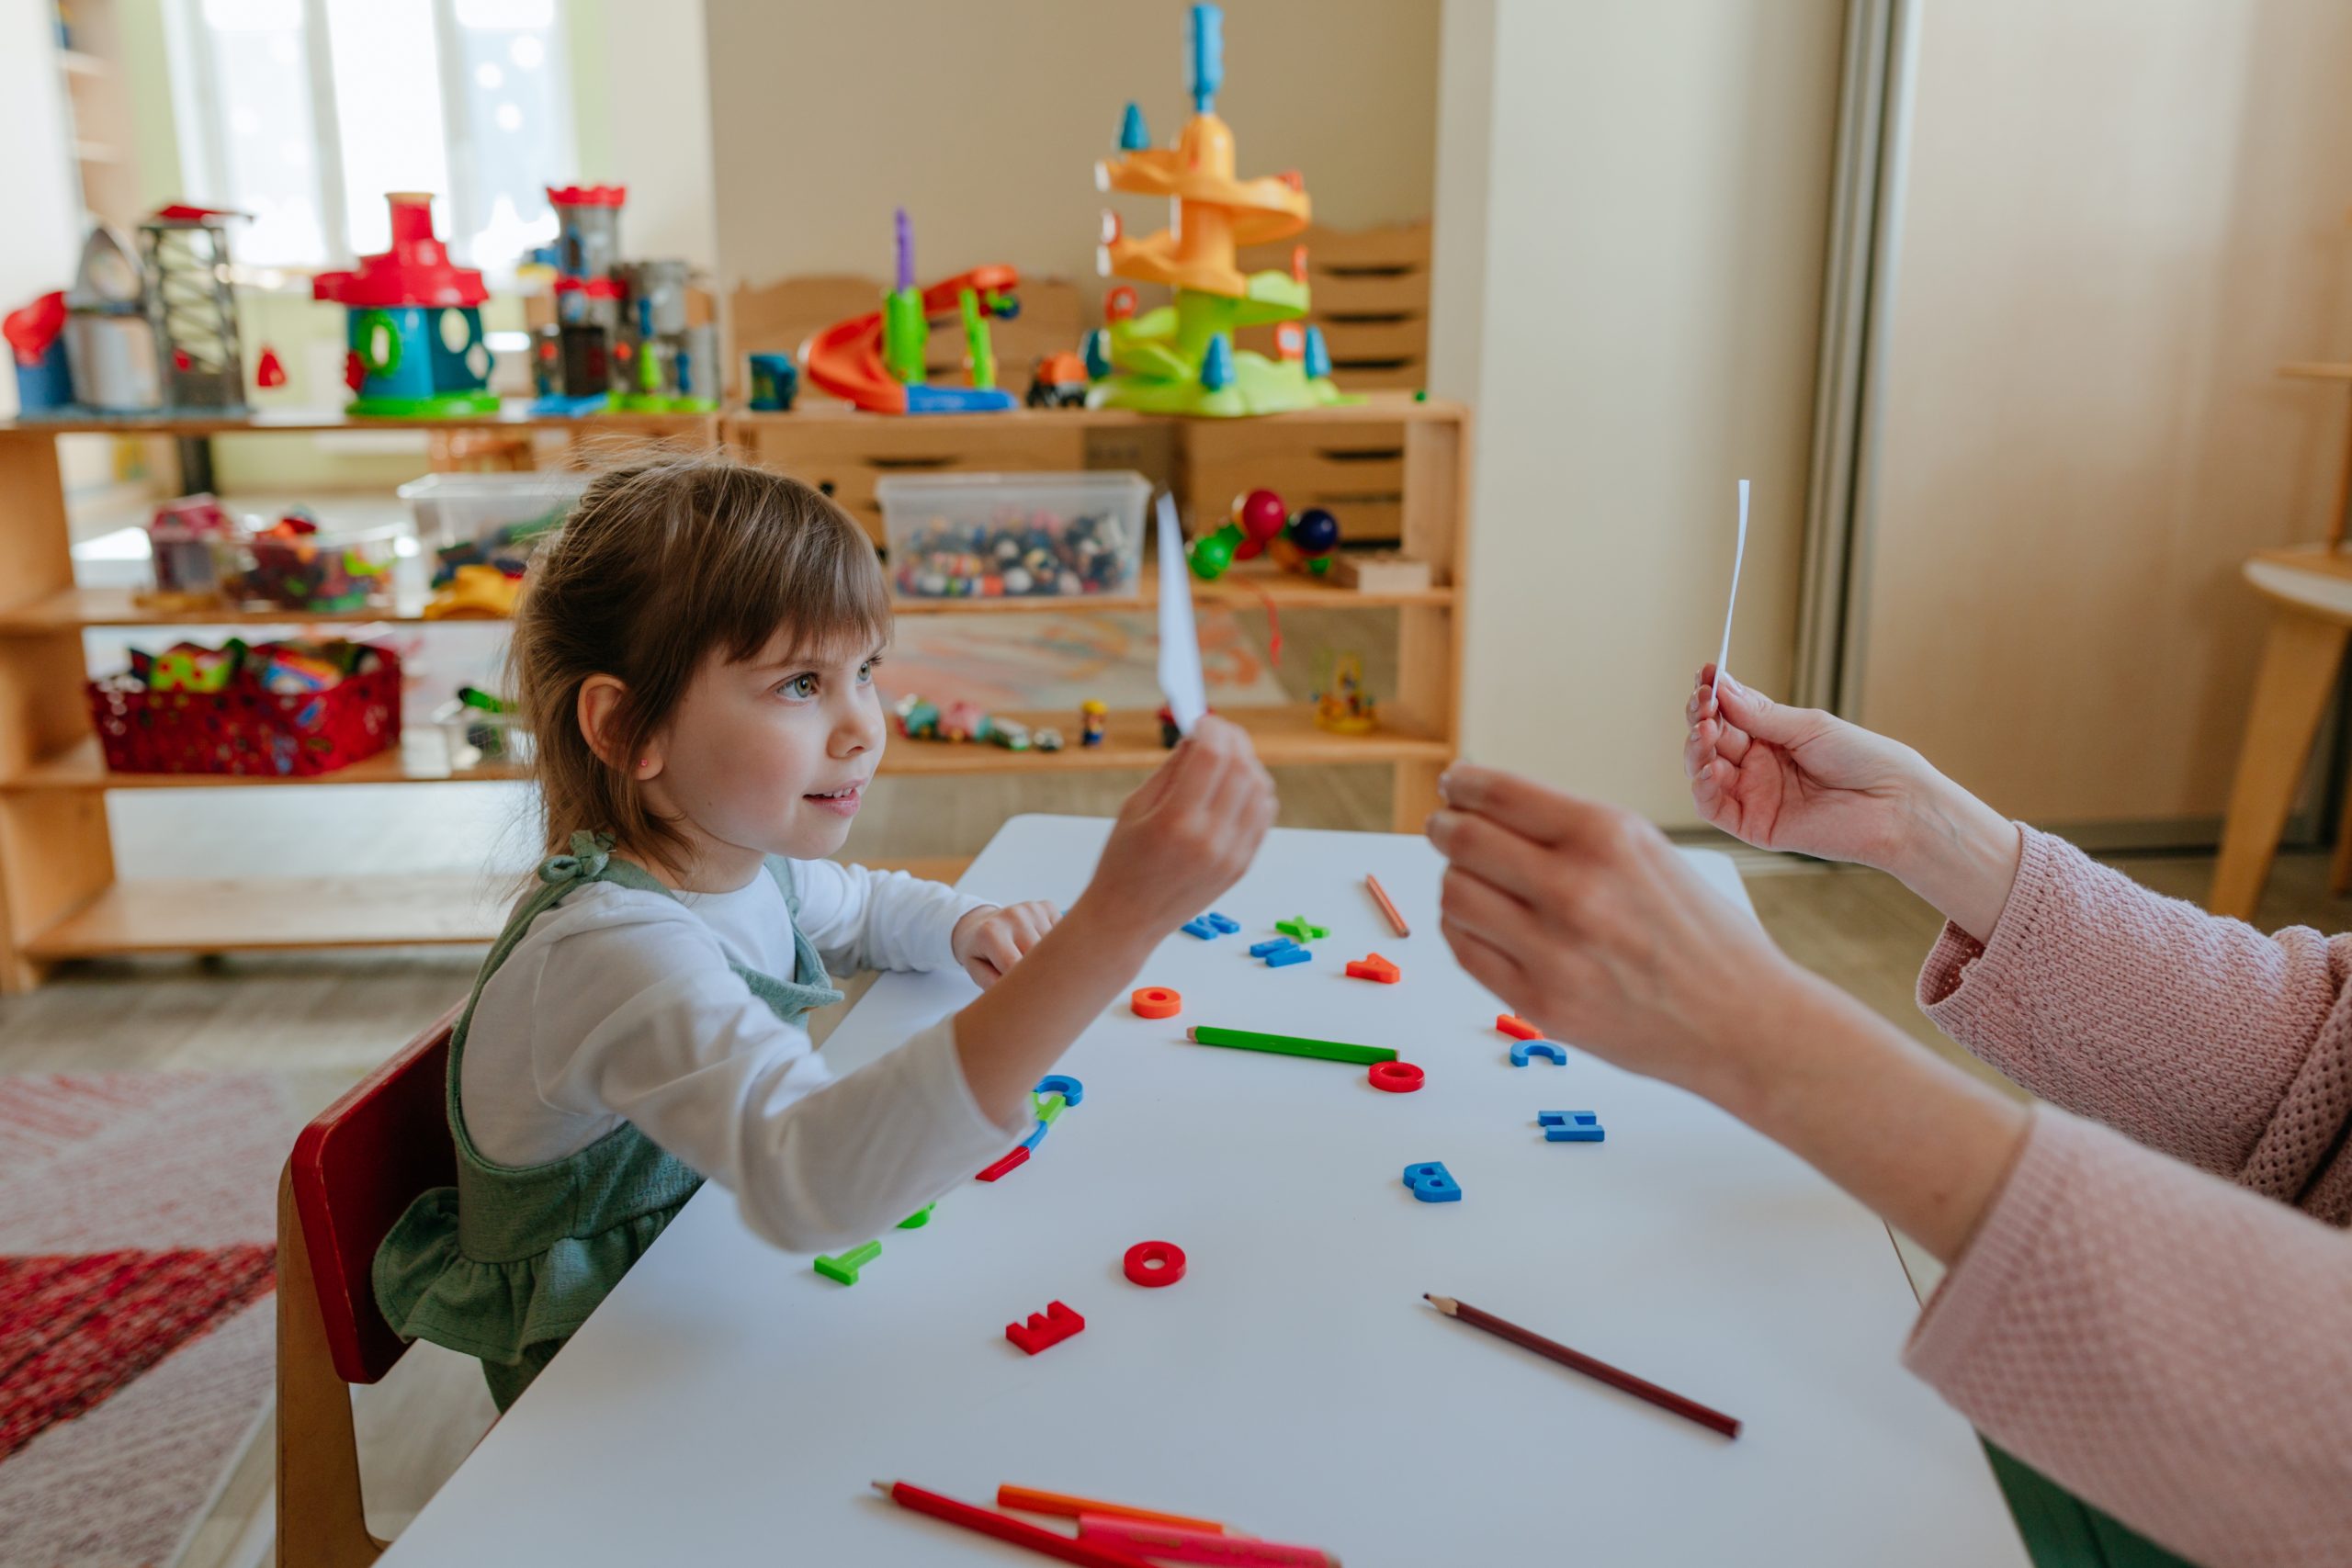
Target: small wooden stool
(2310, 588)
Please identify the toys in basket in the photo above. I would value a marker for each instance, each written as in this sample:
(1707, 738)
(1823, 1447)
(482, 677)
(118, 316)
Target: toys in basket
(274, 709)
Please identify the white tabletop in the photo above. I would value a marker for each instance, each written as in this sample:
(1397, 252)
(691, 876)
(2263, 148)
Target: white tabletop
(725, 1405)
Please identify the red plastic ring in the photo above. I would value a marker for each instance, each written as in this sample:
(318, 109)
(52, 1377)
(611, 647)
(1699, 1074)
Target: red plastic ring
(1152, 1264)
(1155, 1001)
(1396, 1077)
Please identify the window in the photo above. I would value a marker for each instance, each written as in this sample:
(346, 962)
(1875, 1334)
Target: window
(305, 112)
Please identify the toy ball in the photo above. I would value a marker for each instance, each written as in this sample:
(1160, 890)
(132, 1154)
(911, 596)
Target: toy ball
(1315, 531)
(1211, 555)
(1260, 514)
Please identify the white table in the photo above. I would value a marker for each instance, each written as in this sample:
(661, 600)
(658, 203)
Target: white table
(725, 1405)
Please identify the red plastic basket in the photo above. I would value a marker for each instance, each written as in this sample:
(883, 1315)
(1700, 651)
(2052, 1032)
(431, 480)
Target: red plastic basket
(247, 728)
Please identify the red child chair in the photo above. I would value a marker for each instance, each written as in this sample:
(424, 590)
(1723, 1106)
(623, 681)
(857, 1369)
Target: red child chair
(354, 1171)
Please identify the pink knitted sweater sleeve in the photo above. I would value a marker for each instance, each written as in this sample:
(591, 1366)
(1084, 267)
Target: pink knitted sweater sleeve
(2175, 1349)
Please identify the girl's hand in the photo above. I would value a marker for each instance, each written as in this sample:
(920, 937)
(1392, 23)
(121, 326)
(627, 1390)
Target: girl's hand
(991, 941)
(1586, 920)
(1784, 778)
(1186, 834)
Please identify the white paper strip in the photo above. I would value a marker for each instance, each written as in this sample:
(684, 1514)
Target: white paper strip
(1739, 554)
(1180, 646)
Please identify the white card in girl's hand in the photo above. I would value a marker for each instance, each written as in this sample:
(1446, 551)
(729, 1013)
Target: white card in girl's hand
(1738, 554)
(1180, 680)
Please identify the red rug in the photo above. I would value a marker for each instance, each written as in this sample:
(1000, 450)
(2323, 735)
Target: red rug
(138, 1218)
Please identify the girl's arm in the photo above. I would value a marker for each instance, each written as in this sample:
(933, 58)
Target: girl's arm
(637, 1015)
(862, 918)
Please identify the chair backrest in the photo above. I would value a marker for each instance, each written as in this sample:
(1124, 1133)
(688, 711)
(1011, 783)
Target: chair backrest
(356, 1168)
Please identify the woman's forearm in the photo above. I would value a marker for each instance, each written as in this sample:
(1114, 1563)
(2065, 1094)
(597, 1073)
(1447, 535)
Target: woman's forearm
(1959, 854)
(1911, 1136)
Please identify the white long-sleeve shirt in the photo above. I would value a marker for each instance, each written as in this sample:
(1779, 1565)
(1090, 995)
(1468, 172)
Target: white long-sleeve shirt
(620, 1004)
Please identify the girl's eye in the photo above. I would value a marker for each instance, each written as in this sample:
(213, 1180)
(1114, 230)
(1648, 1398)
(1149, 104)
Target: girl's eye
(801, 686)
(865, 673)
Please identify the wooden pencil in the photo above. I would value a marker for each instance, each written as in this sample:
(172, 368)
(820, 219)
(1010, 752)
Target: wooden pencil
(1380, 895)
(1289, 1045)
(1577, 1360)
(1005, 1528)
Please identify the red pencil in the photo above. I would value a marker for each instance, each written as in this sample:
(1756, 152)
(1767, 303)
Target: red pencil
(1577, 1360)
(1005, 1528)
(1387, 909)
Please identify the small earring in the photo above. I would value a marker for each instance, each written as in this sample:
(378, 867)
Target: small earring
(644, 762)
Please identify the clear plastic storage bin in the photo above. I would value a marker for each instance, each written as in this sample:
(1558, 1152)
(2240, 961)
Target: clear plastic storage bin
(325, 573)
(1013, 536)
(476, 736)
(453, 508)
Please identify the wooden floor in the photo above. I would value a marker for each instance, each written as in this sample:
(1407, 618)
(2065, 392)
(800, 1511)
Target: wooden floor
(323, 1020)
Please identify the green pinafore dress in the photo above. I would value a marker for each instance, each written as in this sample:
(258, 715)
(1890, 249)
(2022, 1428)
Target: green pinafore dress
(507, 1263)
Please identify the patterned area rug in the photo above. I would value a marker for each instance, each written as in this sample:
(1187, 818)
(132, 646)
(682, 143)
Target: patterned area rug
(138, 1249)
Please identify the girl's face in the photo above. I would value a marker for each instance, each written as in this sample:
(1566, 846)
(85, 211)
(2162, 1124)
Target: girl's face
(768, 757)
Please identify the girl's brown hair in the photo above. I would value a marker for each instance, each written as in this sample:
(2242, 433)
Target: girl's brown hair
(662, 564)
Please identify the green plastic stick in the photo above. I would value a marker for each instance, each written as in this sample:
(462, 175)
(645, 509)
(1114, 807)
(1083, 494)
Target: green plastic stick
(978, 346)
(1049, 1108)
(844, 1268)
(1290, 1045)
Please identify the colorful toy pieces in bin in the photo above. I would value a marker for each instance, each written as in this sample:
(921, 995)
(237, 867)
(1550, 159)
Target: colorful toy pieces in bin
(1180, 358)
(413, 322)
(1261, 524)
(276, 709)
(1013, 536)
(878, 360)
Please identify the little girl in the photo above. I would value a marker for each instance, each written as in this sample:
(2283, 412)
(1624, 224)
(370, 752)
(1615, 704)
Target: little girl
(695, 656)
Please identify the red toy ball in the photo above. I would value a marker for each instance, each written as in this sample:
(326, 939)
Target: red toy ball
(1260, 514)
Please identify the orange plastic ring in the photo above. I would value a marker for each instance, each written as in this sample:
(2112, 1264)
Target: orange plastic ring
(1396, 1077)
(1155, 1001)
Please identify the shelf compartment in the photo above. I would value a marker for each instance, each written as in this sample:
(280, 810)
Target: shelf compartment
(73, 608)
(278, 914)
(1285, 736)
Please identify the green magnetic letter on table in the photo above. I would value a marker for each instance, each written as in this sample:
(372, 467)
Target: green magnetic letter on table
(1290, 1045)
(1299, 929)
(844, 1268)
(919, 1219)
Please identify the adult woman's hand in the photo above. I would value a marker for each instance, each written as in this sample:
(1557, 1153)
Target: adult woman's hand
(1591, 926)
(1788, 778)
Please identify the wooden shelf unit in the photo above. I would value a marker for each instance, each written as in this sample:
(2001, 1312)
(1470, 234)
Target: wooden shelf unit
(60, 898)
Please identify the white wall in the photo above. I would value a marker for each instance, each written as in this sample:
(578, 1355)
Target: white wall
(2120, 217)
(985, 121)
(43, 235)
(641, 102)
(1646, 250)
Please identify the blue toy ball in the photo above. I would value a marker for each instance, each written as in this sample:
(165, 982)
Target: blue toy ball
(1315, 531)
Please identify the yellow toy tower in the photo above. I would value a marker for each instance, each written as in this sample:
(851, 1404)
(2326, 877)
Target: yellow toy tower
(1180, 359)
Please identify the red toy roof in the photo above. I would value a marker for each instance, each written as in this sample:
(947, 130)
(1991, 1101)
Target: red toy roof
(415, 270)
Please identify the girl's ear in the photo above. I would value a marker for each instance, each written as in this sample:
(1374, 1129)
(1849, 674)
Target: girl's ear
(599, 706)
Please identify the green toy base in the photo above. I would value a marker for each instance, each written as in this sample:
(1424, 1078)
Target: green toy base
(1260, 386)
(1156, 357)
(653, 402)
(441, 405)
